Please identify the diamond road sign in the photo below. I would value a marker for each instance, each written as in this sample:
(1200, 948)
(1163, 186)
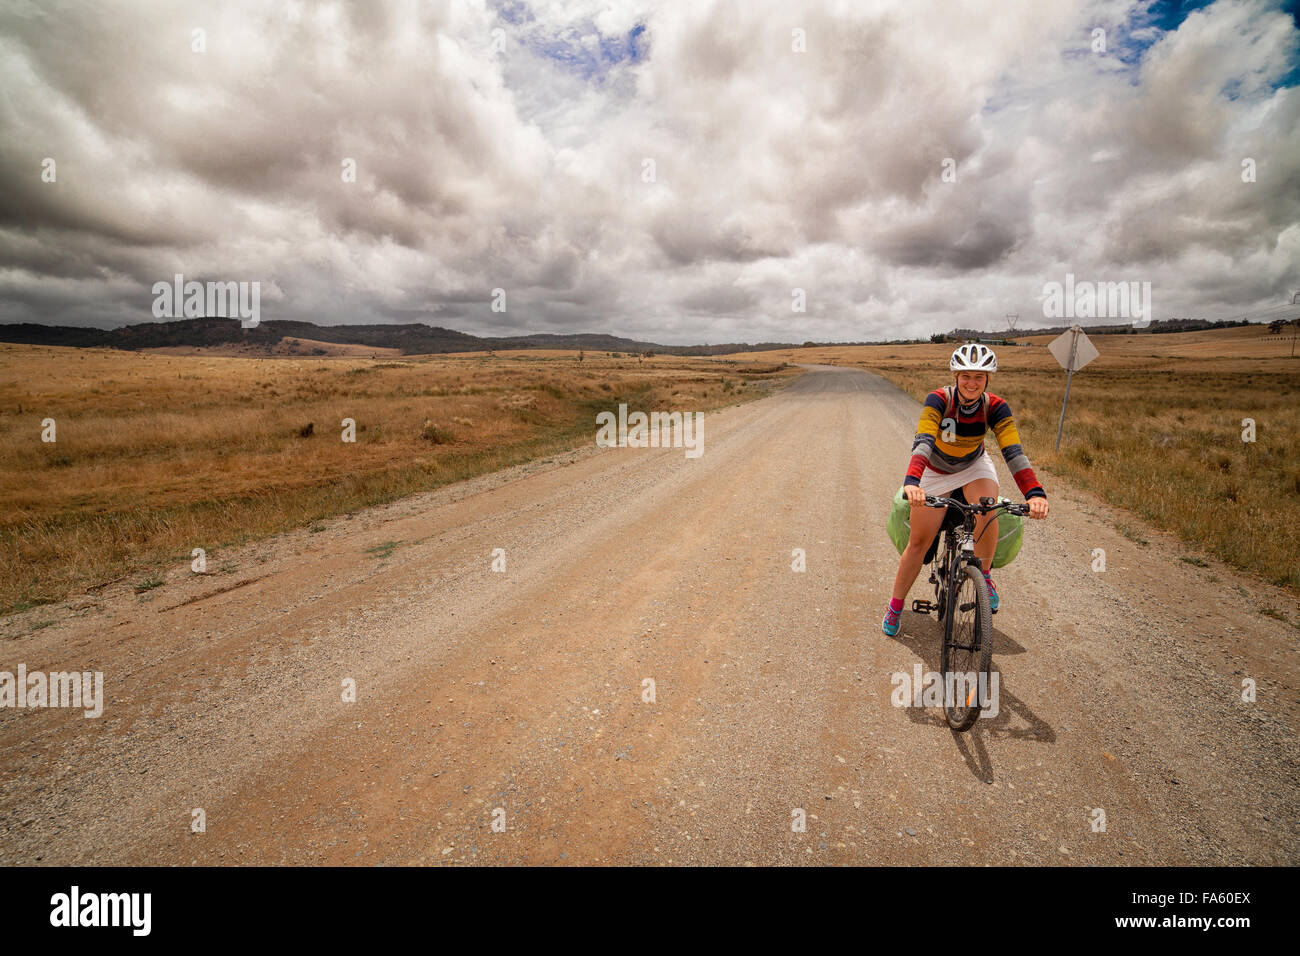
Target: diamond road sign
(1073, 341)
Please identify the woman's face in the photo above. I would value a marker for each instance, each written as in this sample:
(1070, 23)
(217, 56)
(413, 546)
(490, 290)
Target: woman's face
(972, 384)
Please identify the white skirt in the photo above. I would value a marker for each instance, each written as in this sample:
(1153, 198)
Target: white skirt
(937, 483)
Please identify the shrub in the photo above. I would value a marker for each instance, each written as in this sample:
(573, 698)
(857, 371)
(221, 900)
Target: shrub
(438, 434)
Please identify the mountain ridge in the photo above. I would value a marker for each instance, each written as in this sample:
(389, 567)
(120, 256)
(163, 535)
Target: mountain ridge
(417, 338)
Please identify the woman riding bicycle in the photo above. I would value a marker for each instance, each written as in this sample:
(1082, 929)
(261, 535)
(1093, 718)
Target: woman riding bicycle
(947, 454)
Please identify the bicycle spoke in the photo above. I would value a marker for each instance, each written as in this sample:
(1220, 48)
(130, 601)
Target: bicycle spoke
(964, 659)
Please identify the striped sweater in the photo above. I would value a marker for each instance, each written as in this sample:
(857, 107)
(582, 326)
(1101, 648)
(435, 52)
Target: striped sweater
(931, 449)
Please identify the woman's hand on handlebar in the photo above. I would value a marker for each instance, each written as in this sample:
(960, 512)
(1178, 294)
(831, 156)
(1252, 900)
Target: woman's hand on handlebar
(914, 495)
(1037, 507)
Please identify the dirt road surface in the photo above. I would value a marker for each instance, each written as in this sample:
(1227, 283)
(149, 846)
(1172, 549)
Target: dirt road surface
(519, 696)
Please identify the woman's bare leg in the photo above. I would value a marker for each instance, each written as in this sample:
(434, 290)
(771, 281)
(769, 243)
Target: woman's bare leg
(924, 522)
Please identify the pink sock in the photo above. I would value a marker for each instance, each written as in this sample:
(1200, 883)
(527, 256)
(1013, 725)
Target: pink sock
(896, 605)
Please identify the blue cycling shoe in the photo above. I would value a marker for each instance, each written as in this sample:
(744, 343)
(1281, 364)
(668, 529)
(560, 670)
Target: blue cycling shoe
(993, 594)
(893, 621)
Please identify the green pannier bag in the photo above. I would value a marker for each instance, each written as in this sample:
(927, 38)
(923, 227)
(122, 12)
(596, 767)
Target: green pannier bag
(1010, 530)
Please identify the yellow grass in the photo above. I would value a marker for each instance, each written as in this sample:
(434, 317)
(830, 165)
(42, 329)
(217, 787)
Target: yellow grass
(1154, 425)
(157, 454)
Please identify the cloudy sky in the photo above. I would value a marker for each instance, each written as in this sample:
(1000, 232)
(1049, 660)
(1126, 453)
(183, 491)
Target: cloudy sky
(668, 171)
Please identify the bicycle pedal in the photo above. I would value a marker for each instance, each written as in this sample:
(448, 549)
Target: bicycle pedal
(924, 607)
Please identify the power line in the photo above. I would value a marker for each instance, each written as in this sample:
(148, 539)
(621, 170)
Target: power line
(1261, 313)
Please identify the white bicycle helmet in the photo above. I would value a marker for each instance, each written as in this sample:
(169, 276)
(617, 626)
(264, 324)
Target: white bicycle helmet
(973, 358)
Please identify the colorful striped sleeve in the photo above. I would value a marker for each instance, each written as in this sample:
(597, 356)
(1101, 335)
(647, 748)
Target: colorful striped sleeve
(927, 429)
(1008, 436)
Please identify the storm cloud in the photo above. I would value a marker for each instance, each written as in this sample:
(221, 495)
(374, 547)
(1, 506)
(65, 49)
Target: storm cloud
(670, 172)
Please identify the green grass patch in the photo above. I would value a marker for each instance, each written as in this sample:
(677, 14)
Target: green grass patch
(149, 583)
(384, 550)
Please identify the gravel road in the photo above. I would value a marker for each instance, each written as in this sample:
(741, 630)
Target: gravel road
(503, 716)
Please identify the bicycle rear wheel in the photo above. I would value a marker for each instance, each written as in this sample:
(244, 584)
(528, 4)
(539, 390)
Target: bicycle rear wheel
(967, 649)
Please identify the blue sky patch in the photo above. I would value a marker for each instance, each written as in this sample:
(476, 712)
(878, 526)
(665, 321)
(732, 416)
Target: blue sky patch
(587, 59)
(1170, 14)
(579, 48)
(512, 11)
(1131, 43)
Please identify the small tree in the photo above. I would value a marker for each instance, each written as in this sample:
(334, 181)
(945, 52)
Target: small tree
(581, 355)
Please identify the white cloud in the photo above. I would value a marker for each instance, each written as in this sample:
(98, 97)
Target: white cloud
(524, 168)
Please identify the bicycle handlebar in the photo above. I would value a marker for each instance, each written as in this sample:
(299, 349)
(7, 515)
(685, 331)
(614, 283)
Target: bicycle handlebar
(932, 501)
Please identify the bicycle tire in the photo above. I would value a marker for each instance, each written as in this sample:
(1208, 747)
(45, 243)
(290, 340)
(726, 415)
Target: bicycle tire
(965, 650)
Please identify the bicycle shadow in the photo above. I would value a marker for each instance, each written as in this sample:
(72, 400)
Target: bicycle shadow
(1015, 720)
(1003, 643)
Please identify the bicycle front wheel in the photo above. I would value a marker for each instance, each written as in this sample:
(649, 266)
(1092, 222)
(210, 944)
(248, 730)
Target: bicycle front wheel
(967, 649)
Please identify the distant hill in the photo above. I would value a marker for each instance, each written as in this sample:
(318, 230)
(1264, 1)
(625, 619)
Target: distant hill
(409, 338)
(1156, 327)
(416, 338)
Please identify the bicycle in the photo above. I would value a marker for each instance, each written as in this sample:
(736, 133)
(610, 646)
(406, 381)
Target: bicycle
(961, 598)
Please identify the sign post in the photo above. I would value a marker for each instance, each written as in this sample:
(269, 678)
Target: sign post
(1073, 350)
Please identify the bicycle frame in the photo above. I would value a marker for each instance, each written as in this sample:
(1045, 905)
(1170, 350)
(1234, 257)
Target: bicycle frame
(948, 575)
(958, 550)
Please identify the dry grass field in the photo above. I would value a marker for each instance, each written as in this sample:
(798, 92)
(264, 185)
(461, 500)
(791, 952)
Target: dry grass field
(1154, 426)
(157, 454)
